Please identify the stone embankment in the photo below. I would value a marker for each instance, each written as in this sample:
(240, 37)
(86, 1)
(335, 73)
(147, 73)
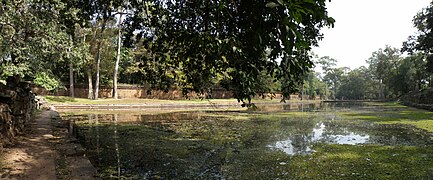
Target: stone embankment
(35, 148)
(210, 105)
(17, 103)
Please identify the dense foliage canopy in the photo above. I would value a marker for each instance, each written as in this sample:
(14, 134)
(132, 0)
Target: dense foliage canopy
(237, 40)
(193, 44)
(249, 47)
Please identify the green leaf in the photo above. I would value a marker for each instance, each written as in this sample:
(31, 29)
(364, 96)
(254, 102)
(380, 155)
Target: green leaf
(271, 5)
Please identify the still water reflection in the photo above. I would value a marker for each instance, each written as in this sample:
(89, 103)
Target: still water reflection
(292, 147)
(215, 144)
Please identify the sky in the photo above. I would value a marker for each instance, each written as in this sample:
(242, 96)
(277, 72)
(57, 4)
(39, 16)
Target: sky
(364, 26)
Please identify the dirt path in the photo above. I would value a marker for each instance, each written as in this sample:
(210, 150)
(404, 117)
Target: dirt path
(37, 153)
(32, 157)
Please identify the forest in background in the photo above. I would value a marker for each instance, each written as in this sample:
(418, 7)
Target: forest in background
(249, 48)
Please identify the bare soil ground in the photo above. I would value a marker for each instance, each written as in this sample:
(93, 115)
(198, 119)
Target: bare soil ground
(41, 155)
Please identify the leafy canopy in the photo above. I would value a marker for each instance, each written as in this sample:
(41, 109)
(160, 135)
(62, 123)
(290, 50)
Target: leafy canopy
(423, 41)
(239, 38)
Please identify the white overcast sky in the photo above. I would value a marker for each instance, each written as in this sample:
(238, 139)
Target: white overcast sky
(364, 26)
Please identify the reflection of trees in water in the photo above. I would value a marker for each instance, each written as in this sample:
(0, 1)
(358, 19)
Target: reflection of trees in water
(385, 134)
(301, 143)
(306, 132)
(205, 148)
(397, 134)
(167, 119)
(98, 137)
(116, 144)
(343, 132)
(301, 107)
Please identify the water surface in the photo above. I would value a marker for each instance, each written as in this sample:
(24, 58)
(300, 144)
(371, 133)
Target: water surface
(230, 144)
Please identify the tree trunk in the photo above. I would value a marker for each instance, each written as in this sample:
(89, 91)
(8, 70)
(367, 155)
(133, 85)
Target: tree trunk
(71, 73)
(335, 90)
(89, 79)
(380, 89)
(116, 67)
(71, 79)
(116, 145)
(71, 70)
(302, 92)
(98, 63)
(431, 81)
(326, 90)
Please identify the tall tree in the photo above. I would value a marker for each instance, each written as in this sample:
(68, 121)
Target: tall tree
(423, 41)
(96, 14)
(332, 75)
(119, 44)
(326, 63)
(333, 78)
(353, 86)
(383, 64)
(31, 38)
(71, 74)
(411, 74)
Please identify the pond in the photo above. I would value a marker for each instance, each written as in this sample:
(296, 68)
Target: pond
(291, 141)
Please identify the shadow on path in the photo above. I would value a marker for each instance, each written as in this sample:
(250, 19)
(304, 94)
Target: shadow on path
(35, 155)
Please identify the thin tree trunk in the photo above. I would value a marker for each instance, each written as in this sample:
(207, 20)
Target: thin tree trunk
(71, 80)
(380, 89)
(71, 70)
(417, 86)
(326, 90)
(116, 142)
(430, 82)
(89, 77)
(335, 90)
(98, 63)
(302, 92)
(90, 81)
(116, 67)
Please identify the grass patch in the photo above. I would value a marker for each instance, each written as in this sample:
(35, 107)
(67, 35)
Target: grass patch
(422, 124)
(387, 104)
(389, 115)
(365, 162)
(60, 99)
